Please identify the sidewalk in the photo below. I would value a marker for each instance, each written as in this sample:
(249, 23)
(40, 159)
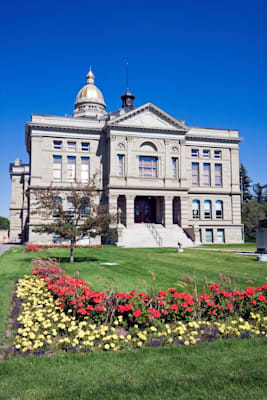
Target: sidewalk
(226, 250)
(5, 246)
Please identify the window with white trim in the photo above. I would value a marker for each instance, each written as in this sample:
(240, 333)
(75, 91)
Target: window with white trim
(209, 236)
(206, 153)
(71, 146)
(195, 174)
(194, 153)
(207, 209)
(71, 168)
(57, 144)
(148, 167)
(217, 154)
(58, 205)
(220, 235)
(57, 168)
(218, 175)
(219, 209)
(195, 209)
(206, 174)
(120, 165)
(85, 168)
(70, 206)
(85, 146)
(174, 167)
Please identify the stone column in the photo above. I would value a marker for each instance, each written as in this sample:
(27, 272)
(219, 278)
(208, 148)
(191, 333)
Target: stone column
(168, 211)
(184, 211)
(112, 204)
(130, 210)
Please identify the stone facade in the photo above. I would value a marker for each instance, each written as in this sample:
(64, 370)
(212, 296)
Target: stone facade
(151, 168)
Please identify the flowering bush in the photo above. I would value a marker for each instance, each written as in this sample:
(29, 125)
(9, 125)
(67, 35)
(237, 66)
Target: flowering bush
(138, 308)
(44, 326)
(32, 247)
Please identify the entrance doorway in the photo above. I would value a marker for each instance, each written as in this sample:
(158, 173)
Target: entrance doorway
(144, 210)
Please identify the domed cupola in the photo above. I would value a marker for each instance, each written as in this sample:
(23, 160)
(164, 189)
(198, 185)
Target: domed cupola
(90, 101)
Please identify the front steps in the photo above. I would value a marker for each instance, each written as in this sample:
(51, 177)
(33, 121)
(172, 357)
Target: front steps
(152, 235)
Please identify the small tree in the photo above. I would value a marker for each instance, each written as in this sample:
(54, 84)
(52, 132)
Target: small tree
(82, 218)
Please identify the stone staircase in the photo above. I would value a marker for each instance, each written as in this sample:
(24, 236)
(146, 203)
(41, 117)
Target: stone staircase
(152, 235)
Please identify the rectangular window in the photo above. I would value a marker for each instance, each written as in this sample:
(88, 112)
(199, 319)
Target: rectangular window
(56, 239)
(219, 209)
(207, 209)
(148, 167)
(218, 154)
(174, 167)
(70, 206)
(57, 168)
(206, 153)
(194, 153)
(71, 146)
(85, 146)
(85, 209)
(85, 167)
(209, 236)
(220, 235)
(195, 174)
(196, 209)
(57, 144)
(71, 169)
(206, 170)
(120, 164)
(218, 175)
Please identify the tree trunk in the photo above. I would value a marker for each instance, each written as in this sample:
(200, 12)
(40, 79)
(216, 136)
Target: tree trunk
(72, 244)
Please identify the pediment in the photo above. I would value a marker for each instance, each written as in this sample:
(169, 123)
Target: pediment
(148, 116)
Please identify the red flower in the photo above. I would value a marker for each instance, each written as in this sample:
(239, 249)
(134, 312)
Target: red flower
(253, 302)
(162, 293)
(214, 288)
(262, 298)
(189, 309)
(210, 303)
(174, 307)
(230, 306)
(249, 291)
(137, 313)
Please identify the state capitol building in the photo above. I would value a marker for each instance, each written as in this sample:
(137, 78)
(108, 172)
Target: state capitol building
(167, 181)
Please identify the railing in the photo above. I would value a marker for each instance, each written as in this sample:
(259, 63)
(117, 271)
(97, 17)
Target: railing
(155, 234)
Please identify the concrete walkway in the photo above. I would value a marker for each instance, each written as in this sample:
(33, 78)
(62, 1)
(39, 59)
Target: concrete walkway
(226, 250)
(5, 246)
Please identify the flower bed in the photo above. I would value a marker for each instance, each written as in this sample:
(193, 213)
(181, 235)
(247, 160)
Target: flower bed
(60, 312)
(38, 247)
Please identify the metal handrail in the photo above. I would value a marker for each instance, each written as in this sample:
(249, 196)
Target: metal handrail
(155, 234)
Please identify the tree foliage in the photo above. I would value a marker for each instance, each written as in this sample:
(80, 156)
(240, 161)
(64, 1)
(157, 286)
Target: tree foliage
(253, 212)
(4, 223)
(260, 192)
(83, 217)
(245, 183)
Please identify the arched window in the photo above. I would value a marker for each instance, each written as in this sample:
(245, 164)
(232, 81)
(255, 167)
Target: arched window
(148, 146)
(207, 209)
(219, 209)
(58, 207)
(195, 209)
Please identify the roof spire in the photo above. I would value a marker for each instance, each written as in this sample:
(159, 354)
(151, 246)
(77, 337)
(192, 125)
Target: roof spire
(127, 98)
(90, 77)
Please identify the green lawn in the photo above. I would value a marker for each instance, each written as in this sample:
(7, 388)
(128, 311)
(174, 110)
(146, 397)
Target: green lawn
(222, 370)
(249, 246)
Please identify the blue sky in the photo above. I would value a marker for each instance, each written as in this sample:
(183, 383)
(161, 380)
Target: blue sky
(202, 61)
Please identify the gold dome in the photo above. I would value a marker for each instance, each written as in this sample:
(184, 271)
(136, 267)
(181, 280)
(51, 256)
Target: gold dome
(90, 93)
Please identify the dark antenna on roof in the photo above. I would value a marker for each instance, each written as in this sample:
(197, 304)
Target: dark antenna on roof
(127, 77)
(127, 98)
